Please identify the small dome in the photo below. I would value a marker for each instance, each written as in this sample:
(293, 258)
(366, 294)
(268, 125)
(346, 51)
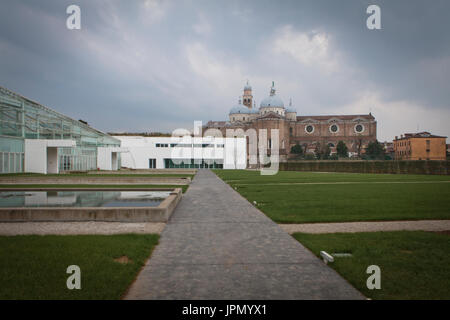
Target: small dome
(290, 108)
(272, 101)
(247, 87)
(239, 109)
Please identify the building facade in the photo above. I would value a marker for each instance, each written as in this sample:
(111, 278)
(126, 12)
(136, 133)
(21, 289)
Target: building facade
(35, 138)
(183, 152)
(420, 146)
(309, 131)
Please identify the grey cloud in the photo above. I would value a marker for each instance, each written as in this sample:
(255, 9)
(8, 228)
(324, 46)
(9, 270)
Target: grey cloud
(100, 74)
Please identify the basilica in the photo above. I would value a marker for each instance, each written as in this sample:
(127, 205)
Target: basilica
(309, 131)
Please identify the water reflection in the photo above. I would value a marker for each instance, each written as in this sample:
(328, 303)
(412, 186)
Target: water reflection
(82, 198)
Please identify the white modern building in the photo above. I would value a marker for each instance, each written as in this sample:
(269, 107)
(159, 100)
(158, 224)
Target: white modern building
(183, 152)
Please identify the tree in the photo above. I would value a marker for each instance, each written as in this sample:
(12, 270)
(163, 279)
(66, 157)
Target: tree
(322, 151)
(359, 146)
(342, 149)
(297, 149)
(375, 150)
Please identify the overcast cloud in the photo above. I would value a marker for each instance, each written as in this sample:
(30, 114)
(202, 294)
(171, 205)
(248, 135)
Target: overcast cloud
(158, 65)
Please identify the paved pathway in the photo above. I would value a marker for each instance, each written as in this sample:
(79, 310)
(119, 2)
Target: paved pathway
(218, 246)
(369, 226)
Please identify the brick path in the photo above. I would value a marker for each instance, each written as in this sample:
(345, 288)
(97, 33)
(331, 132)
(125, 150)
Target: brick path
(218, 246)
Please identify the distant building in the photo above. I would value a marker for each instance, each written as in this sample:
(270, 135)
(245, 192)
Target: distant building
(183, 152)
(309, 131)
(389, 149)
(420, 146)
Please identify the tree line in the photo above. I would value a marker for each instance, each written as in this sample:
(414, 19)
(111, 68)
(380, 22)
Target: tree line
(322, 151)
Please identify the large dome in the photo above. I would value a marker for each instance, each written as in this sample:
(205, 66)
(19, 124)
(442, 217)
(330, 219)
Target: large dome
(272, 101)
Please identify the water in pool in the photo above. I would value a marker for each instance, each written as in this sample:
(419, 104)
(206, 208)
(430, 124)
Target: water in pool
(82, 198)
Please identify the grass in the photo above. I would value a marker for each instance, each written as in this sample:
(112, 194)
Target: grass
(237, 177)
(34, 267)
(307, 197)
(184, 187)
(414, 264)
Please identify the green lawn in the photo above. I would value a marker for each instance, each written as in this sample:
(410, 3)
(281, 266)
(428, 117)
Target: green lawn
(301, 197)
(414, 264)
(184, 187)
(254, 177)
(34, 267)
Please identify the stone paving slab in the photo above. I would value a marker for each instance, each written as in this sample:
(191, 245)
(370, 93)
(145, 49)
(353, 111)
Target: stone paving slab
(241, 281)
(218, 246)
(370, 226)
(223, 243)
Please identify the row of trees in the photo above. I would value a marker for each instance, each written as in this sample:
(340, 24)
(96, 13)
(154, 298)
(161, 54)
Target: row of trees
(322, 151)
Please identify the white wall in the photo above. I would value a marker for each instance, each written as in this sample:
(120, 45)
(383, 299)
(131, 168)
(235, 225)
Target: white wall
(141, 149)
(108, 157)
(104, 158)
(35, 158)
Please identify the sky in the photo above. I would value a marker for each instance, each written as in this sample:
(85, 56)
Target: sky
(155, 65)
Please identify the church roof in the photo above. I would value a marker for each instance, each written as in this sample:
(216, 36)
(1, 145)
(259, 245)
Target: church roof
(339, 117)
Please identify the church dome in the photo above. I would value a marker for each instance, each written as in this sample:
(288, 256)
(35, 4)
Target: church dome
(240, 109)
(290, 108)
(272, 101)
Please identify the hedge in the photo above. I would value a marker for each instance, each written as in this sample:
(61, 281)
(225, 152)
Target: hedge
(369, 166)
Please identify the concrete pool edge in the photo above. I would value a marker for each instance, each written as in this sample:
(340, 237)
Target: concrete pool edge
(161, 213)
(93, 179)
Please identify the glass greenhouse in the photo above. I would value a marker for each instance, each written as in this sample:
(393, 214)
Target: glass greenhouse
(21, 118)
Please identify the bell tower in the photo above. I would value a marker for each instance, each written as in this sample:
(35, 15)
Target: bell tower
(247, 97)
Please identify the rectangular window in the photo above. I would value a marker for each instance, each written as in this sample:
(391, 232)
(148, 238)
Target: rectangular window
(152, 163)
